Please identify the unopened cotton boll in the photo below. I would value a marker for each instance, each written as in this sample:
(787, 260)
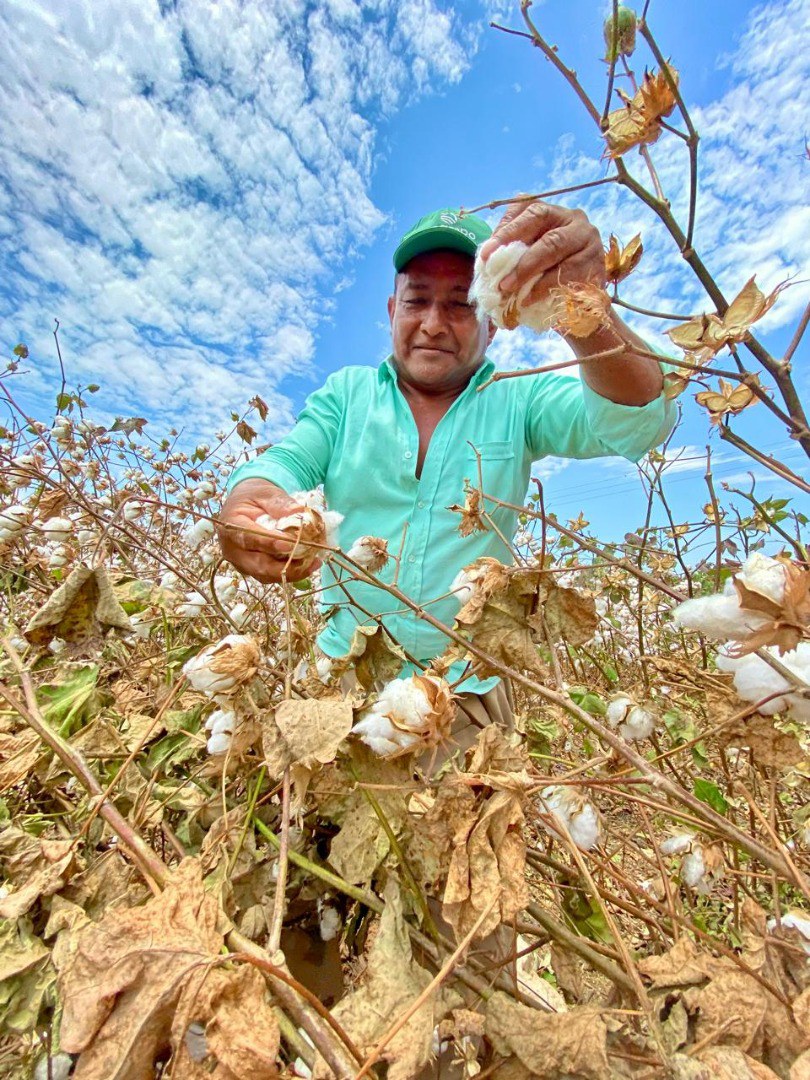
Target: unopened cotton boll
(573, 813)
(56, 529)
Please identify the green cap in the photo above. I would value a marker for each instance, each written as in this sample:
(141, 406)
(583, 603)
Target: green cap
(442, 229)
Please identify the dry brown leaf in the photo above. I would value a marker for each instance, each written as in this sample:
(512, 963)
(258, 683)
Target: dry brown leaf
(51, 503)
(122, 988)
(569, 614)
(567, 968)
(233, 1023)
(25, 976)
(34, 866)
(391, 983)
(18, 755)
(305, 733)
(374, 657)
(471, 520)
(488, 860)
(81, 611)
(728, 1063)
(622, 261)
(494, 618)
(772, 748)
(800, 1069)
(570, 1044)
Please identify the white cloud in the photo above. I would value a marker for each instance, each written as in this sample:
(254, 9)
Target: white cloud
(182, 183)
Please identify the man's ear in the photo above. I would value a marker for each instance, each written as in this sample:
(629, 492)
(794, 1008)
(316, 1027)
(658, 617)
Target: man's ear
(392, 303)
(491, 332)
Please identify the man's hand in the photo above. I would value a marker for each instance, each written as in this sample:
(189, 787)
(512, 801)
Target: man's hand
(564, 248)
(252, 549)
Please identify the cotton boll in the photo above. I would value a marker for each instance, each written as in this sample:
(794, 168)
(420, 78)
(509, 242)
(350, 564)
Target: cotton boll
(676, 845)
(221, 721)
(369, 552)
(639, 725)
(332, 520)
(405, 702)
(490, 301)
(329, 921)
(194, 605)
(795, 920)
(58, 558)
(754, 680)
(239, 614)
(693, 870)
(574, 814)
(223, 667)
(196, 535)
(57, 529)
(720, 616)
(463, 586)
(765, 576)
(132, 511)
(86, 536)
(617, 709)
(219, 743)
(169, 580)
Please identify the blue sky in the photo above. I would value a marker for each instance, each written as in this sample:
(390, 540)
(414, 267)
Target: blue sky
(207, 195)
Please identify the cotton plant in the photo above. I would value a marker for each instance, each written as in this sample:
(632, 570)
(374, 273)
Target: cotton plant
(570, 812)
(409, 714)
(198, 533)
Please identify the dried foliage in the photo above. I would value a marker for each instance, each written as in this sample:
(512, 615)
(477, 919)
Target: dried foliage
(201, 816)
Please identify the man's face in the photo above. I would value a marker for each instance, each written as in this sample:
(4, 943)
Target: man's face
(438, 343)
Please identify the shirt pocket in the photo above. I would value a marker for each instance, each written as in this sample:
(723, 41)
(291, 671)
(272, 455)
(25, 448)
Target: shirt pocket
(498, 468)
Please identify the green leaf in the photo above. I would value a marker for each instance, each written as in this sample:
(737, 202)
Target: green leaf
(93, 388)
(711, 794)
(63, 401)
(69, 705)
(21, 351)
(589, 701)
(585, 915)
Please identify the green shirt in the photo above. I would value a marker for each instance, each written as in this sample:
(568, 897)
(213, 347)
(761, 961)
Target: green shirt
(357, 437)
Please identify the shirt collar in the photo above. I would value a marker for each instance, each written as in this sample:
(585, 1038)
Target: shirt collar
(387, 373)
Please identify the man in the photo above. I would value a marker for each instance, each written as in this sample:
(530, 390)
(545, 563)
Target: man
(392, 445)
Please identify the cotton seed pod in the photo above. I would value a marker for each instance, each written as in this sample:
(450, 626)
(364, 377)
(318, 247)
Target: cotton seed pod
(624, 31)
(12, 521)
(369, 552)
(56, 528)
(572, 813)
(306, 531)
(224, 667)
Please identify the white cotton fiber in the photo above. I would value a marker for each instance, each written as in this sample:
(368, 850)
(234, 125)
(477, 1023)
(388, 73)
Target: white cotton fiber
(764, 575)
(754, 680)
(719, 616)
(574, 814)
(401, 704)
(490, 301)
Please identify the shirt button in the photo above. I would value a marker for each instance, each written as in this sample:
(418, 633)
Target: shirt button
(411, 558)
(421, 505)
(407, 455)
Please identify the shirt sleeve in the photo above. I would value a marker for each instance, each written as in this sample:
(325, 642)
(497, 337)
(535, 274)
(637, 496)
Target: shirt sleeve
(300, 461)
(566, 418)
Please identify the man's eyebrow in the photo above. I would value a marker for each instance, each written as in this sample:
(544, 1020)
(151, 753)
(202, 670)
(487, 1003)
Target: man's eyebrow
(419, 286)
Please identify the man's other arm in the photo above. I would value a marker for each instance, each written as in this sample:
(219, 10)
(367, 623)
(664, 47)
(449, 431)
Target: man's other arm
(263, 486)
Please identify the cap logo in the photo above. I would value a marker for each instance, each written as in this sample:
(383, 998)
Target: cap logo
(448, 219)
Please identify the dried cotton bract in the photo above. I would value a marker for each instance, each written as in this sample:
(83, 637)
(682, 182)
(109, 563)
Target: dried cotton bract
(409, 713)
(573, 814)
(222, 668)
